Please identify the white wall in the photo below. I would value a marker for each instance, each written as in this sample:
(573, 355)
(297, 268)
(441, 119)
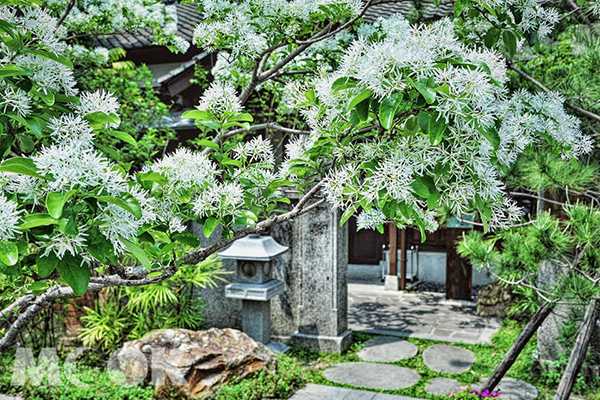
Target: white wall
(431, 268)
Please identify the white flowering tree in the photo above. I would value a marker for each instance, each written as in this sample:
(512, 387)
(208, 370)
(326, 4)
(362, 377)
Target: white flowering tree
(401, 120)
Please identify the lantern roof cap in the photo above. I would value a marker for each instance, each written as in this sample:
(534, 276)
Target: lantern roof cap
(253, 247)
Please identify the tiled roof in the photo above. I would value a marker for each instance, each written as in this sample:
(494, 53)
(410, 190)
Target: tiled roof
(187, 19)
(425, 9)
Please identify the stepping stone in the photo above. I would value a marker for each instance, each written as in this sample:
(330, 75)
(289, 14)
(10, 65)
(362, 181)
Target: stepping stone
(448, 359)
(513, 389)
(442, 386)
(372, 376)
(322, 392)
(387, 349)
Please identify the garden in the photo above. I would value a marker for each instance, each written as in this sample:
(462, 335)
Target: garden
(181, 183)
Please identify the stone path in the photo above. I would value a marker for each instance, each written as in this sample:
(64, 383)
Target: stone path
(372, 375)
(514, 389)
(448, 359)
(378, 376)
(442, 386)
(387, 349)
(420, 315)
(321, 392)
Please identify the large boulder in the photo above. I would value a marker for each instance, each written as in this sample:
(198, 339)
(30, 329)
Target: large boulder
(494, 300)
(193, 363)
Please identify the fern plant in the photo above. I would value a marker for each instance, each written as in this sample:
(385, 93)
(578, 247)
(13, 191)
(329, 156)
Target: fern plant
(129, 313)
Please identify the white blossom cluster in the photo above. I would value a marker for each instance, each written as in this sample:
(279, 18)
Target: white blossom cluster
(473, 101)
(252, 26)
(48, 74)
(9, 218)
(526, 114)
(220, 98)
(109, 16)
(533, 15)
(193, 175)
(41, 25)
(81, 55)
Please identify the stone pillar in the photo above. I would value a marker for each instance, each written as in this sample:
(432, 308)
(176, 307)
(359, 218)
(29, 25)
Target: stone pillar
(313, 312)
(219, 311)
(549, 347)
(257, 320)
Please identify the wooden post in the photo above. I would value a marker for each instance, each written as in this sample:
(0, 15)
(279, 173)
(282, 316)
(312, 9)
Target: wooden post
(565, 387)
(393, 250)
(511, 356)
(403, 259)
(459, 272)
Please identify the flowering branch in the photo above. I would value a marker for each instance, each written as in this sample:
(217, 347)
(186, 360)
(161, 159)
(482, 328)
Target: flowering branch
(33, 305)
(578, 110)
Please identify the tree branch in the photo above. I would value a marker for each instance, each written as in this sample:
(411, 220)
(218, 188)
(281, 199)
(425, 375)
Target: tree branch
(269, 125)
(35, 304)
(577, 109)
(66, 13)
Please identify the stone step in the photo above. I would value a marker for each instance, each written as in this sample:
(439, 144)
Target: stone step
(322, 392)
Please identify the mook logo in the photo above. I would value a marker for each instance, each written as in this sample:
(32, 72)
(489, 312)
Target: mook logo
(125, 368)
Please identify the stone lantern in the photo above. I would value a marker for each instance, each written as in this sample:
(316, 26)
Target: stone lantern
(255, 286)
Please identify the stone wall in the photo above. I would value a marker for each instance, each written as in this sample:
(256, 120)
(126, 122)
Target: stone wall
(494, 300)
(549, 347)
(313, 310)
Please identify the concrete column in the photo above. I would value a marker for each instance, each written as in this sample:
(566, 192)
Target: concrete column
(313, 312)
(257, 320)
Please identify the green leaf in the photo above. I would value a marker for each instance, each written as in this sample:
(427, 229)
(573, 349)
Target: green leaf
(37, 220)
(362, 110)
(20, 165)
(127, 202)
(9, 253)
(248, 214)
(209, 143)
(420, 188)
(427, 92)
(75, 272)
(55, 201)
(241, 117)
(98, 119)
(198, 114)
(343, 83)
(46, 265)
(347, 214)
(492, 136)
(138, 253)
(13, 70)
(101, 248)
(423, 120)
(386, 113)
(491, 37)
(48, 98)
(365, 94)
(210, 225)
(26, 144)
(510, 41)
(436, 130)
(127, 138)
(187, 238)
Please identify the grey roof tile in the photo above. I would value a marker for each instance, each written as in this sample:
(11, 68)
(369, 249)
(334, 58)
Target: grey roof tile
(187, 18)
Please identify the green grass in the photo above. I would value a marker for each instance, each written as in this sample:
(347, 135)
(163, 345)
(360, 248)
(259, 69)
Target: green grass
(300, 367)
(487, 358)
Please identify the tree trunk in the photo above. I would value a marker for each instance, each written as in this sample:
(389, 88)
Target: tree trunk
(516, 349)
(578, 354)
